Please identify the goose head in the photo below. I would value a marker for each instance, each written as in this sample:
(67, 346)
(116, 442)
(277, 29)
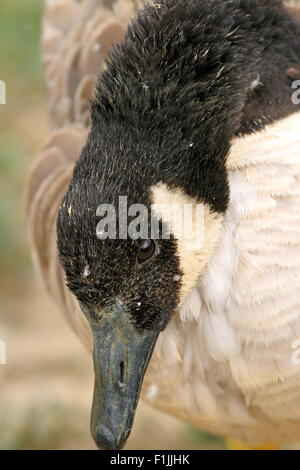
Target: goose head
(127, 265)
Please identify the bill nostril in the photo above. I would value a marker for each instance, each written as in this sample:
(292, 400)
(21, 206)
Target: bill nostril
(122, 374)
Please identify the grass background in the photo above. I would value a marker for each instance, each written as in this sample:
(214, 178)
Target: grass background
(46, 385)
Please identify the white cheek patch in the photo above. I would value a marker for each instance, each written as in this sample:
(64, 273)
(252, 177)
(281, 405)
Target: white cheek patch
(196, 235)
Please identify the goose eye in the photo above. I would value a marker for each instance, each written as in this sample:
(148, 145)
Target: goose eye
(145, 250)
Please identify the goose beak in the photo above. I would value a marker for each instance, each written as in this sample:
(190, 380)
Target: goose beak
(121, 356)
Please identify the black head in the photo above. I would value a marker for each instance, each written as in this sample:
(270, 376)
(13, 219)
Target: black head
(127, 263)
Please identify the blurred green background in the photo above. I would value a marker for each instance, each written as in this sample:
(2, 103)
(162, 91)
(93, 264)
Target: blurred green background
(46, 385)
(20, 69)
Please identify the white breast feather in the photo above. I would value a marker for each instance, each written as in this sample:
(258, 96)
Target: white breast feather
(234, 333)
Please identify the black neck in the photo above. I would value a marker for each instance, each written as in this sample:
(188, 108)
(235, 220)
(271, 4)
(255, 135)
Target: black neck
(189, 76)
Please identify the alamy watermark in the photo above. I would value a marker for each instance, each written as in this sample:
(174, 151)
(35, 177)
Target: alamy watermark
(296, 94)
(2, 352)
(182, 221)
(2, 343)
(2, 92)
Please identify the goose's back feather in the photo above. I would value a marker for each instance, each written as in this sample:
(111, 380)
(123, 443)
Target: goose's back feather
(76, 39)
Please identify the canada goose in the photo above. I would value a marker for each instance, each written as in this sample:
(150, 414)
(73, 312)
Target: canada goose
(195, 106)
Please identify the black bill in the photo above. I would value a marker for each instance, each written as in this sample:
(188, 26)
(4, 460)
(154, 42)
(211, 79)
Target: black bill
(121, 356)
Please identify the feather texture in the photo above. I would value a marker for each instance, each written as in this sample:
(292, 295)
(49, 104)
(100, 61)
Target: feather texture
(240, 345)
(224, 363)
